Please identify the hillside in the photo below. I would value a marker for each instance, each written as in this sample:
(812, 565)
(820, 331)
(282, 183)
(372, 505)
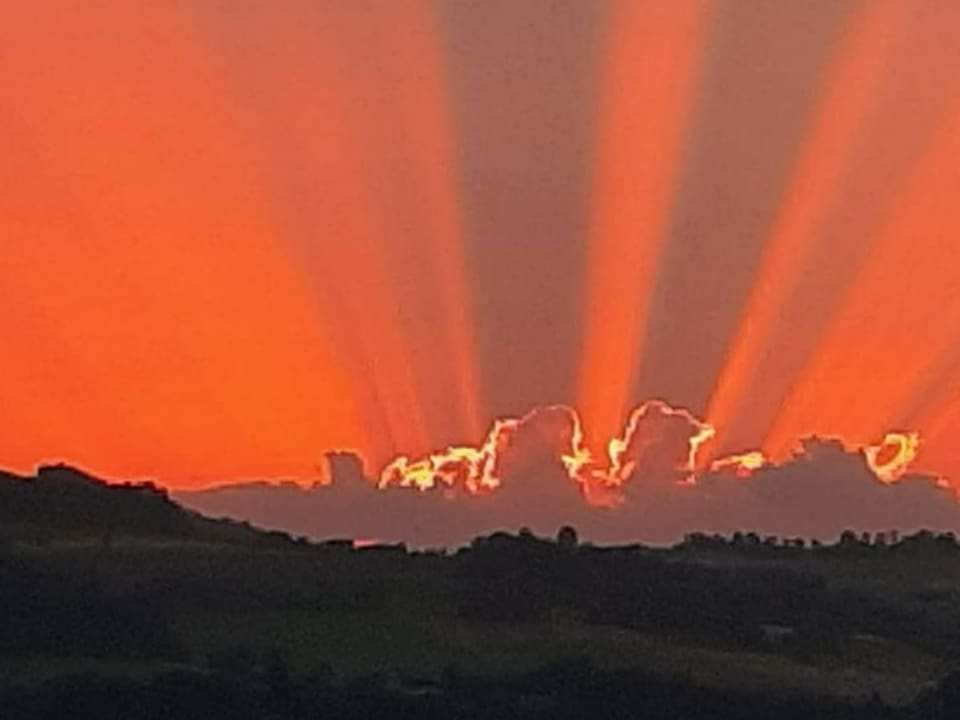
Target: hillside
(61, 503)
(120, 580)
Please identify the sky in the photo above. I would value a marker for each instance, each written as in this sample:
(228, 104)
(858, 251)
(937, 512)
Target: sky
(238, 234)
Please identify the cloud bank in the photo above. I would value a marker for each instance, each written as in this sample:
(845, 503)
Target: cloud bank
(647, 486)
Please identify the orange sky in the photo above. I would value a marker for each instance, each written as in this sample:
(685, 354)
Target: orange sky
(649, 81)
(234, 236)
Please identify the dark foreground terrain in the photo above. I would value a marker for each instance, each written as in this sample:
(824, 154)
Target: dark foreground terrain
(116, 602)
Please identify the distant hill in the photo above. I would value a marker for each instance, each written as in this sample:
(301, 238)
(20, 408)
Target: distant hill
(123, 577)
(63, 503)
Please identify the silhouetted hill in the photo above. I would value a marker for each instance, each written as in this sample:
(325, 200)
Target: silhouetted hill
(64, 503)
(124, 581)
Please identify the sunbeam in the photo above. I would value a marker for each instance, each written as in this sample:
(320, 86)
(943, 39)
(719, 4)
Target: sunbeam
(650, 80)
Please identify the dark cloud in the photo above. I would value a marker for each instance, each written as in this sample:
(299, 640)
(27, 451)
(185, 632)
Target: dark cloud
(824, 489)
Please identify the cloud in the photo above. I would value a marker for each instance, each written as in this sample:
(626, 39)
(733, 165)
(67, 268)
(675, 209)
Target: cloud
(539, 475)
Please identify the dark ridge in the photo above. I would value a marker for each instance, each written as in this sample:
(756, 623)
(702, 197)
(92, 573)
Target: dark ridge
(63, 503)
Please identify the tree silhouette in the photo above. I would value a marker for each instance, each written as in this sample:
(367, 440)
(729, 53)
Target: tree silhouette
(567, 537)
